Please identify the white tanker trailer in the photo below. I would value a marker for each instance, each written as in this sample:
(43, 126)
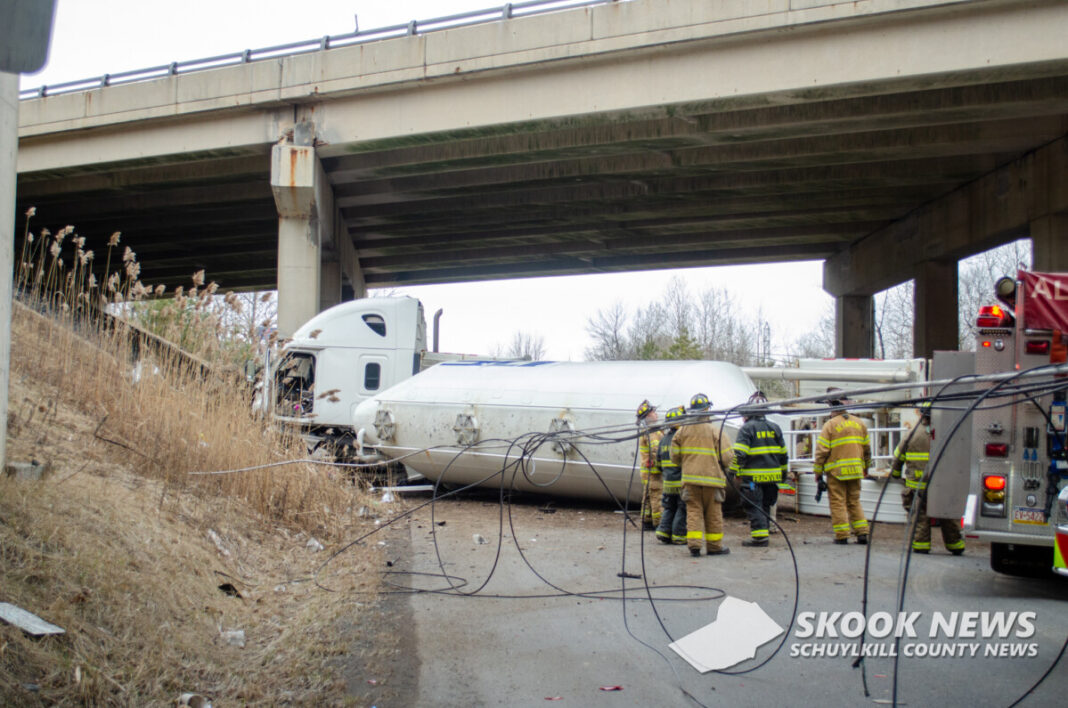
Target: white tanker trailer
(454, 421)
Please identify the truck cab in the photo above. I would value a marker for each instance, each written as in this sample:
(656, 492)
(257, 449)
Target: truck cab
(341, 357)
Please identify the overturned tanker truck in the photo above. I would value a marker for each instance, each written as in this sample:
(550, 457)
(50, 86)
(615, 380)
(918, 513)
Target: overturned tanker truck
(457, 422)
(358, 384)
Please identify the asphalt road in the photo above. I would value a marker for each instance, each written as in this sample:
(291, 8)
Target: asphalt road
(523, 640)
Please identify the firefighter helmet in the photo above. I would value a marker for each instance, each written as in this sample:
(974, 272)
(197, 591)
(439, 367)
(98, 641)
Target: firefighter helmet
(925, 410)
(757, 398)
(700, 402)
(645, 409)
(676, 412)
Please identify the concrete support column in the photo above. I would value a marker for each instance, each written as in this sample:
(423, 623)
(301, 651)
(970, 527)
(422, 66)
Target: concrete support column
(293, 177)
(854, 326)
(9, 142)
(935, 309)
(1049, 244)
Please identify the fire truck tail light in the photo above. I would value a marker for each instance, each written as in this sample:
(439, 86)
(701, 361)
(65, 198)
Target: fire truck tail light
(986, 344)
(993, 496)
(1037, 347)
(994, 483)
(996, 450)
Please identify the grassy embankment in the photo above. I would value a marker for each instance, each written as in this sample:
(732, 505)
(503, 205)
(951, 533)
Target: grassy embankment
(123, 548)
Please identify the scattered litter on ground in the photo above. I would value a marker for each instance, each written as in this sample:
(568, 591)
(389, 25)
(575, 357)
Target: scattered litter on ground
(27, 621)
(479, 539)
(234, 637)
(230, 590)
(28, 471)
(314, 545)
(194, 700)
(611, 688)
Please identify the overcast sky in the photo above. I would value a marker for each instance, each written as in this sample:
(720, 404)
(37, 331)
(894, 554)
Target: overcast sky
(94, 37)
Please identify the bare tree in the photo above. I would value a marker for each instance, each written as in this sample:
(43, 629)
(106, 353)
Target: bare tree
(818, 342)
(894, 316)
(608, 330)
(648, 333)
(526, 346)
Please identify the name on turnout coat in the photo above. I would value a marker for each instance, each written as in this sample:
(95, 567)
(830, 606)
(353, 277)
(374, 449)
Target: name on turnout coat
(843, 450)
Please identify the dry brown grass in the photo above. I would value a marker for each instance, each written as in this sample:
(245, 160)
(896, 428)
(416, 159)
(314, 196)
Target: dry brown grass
(115, 547)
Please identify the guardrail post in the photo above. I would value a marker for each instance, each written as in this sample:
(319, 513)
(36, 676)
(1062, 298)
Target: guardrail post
(506, 11)
(411, 28)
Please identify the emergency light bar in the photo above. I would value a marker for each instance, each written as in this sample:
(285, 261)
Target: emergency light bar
(993, 317)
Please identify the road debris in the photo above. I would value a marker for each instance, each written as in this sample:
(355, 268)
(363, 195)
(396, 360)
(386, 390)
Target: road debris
(27, 621)
(234, 637)
(314, 545)
(479, 539)
(230, 590)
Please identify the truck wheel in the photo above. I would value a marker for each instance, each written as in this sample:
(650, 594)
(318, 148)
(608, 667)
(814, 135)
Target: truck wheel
(1021, 560)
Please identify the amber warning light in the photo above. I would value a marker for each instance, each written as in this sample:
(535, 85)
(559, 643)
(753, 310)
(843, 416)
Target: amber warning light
(991, 316)
(994, 483)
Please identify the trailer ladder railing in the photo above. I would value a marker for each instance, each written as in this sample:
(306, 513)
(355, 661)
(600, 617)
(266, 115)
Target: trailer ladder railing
(409, 29)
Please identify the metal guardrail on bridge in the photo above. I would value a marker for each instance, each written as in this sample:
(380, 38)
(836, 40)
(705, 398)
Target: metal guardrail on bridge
(412, 28)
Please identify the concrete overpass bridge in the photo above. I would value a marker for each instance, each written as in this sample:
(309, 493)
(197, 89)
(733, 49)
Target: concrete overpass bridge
(888, 137)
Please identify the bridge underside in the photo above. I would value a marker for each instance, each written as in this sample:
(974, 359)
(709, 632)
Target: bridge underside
(714, 184)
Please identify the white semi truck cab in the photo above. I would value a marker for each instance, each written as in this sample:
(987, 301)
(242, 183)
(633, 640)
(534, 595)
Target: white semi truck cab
(340, 358)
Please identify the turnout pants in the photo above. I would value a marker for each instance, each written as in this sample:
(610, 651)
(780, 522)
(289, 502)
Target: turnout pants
(652, 490)
(846, 515)
(761, 496)
(704, 516)
(921, 538)
(673, 519)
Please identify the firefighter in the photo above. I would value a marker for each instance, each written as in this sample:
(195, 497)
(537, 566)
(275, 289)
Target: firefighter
(672, 528)
(911, 458)
(760, 460)
(704, 454)
(843, 455)
(650, 468)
